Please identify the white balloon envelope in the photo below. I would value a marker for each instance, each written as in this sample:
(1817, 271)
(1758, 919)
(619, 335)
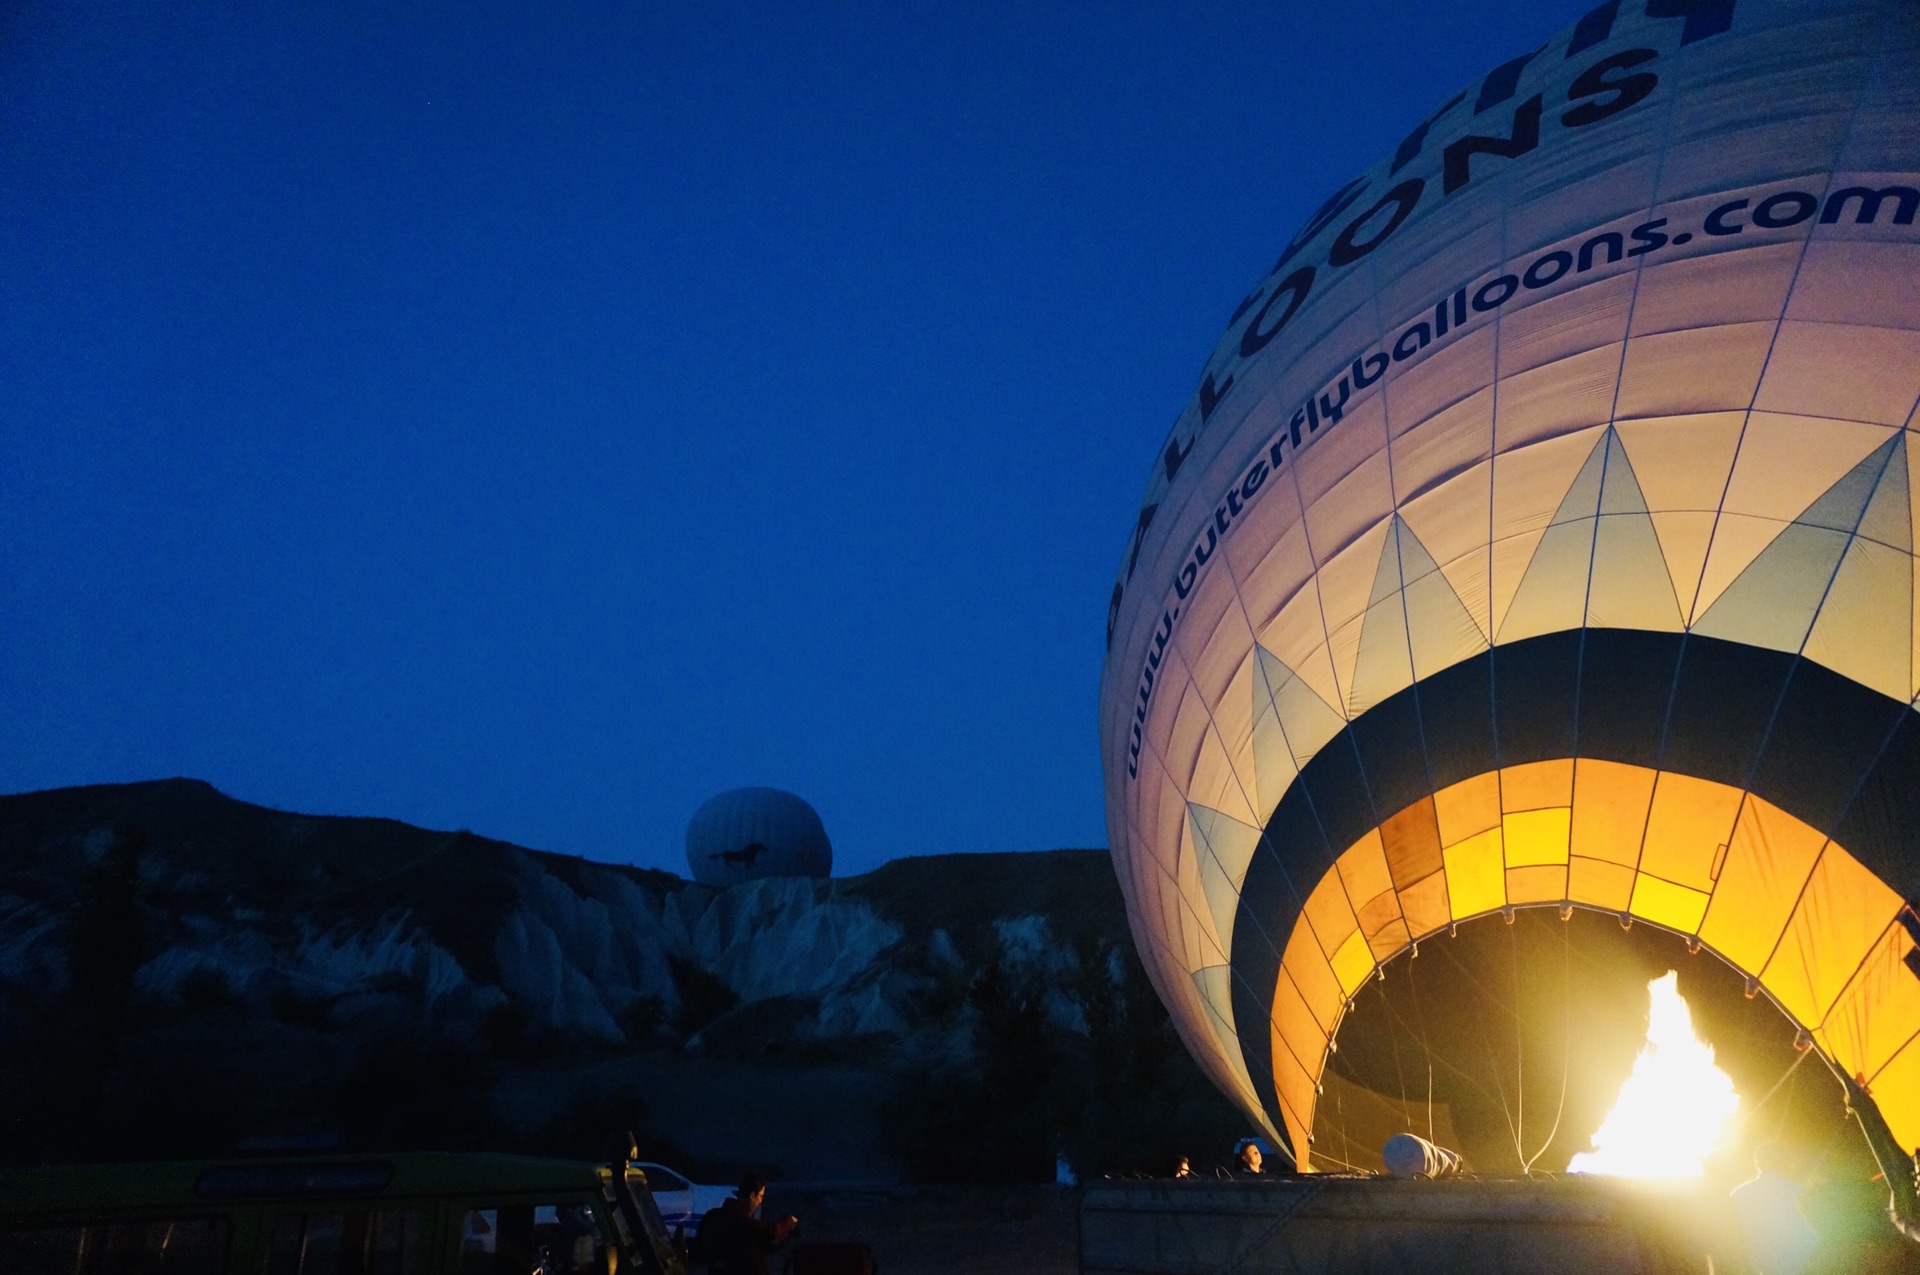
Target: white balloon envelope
(1541, 533)
(746, 834)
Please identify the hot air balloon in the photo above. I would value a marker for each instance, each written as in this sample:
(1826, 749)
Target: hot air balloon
(1539, 544)
(746, 834)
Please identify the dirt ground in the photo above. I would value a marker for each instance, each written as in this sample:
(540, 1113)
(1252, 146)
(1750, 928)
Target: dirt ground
(945, 1230)
(816, 1124)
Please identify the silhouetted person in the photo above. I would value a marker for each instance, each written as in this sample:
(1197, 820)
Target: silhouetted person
(1779, 1238)
(622, 1149)
(1248, 1165)
(734, 1239)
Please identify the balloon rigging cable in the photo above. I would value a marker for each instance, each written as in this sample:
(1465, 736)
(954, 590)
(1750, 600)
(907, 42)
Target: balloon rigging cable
(1566, 1045)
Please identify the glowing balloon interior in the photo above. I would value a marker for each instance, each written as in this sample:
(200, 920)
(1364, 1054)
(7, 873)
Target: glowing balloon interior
(1542, 534)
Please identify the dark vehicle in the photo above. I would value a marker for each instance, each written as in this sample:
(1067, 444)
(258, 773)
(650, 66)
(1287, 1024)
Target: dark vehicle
(418, 1213)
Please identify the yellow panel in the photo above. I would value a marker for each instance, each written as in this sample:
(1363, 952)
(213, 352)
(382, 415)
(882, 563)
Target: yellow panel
(1468, 807)
(1313, 976)
(1843, 910)
(1412, 843)
(1379, 918)
(1880, 1010)
(1538, 784)
(1913, 520)
(1363, 869)
(1610, 803)
(1767, 862)
(1297, 1036)
(1476, 875)
(1295, 1090)
(1352, 963)
(1690, 821)
(1386, 939)
(1599, 884)
(1424, 904)
(1536, 836)
(1330, 914)
(1537, 885)
(1896, 1091)
(1663, 902)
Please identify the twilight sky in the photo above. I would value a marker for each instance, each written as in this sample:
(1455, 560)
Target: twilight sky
(538, 418)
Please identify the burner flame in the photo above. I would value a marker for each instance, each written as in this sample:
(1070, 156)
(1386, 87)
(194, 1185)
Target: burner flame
(1673, 1108)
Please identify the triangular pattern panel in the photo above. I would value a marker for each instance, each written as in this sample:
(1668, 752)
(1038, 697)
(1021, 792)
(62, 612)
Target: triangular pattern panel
(1774, 601)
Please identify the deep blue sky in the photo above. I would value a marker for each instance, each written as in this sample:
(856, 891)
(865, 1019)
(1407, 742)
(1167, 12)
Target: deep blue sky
(536, 420)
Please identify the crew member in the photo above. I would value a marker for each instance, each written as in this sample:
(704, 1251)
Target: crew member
(734, 1238)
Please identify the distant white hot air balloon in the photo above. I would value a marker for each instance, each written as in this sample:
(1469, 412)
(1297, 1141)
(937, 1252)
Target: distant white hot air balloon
(749, 833)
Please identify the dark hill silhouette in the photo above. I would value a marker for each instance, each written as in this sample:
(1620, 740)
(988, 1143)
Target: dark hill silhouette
(180, 970)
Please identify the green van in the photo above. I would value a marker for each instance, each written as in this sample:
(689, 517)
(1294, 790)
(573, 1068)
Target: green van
(415, 1213)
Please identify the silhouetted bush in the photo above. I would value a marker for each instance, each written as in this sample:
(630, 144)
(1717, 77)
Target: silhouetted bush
(703, 997)
(1122, 1097)
(642, 1019)
(206, 988)
(505, 1029)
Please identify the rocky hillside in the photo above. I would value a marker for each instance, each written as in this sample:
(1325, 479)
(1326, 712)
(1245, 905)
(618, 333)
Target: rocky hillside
(182, 970)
